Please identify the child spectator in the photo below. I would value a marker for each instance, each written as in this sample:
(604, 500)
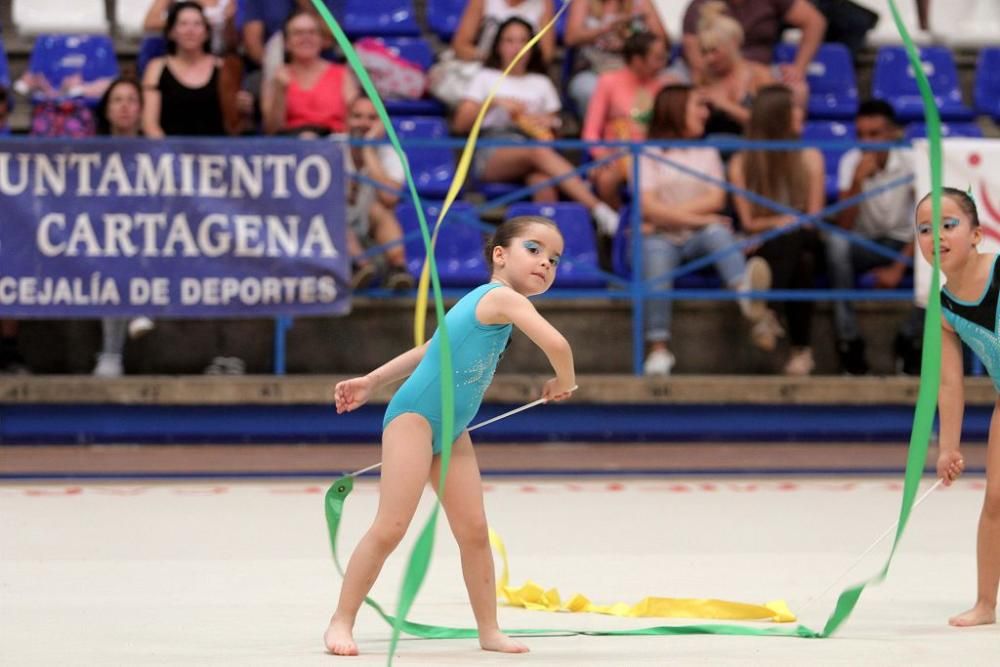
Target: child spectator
(371, 211)
(598, 30)
(621, 106)
(119, 114)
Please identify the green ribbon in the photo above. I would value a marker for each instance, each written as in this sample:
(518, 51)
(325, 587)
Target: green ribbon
(420, 556)
(916, 458)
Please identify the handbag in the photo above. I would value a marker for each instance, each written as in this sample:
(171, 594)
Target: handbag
(393, 76)
(449, 79)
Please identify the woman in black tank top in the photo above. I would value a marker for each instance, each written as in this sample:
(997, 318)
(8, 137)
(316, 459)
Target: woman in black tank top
(171, 106)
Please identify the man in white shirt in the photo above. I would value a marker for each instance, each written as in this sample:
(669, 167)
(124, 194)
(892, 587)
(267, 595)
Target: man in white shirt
(371, 210)
(885, 219)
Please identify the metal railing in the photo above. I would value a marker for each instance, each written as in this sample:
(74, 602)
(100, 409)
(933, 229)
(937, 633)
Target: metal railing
(633, 287)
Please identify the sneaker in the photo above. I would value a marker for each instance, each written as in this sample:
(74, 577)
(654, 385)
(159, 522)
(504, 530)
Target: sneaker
(852, 356)
(659, 362)
(398, 279)
(108, 365)
(800, 363)
(139, 327)
(362, 276)
(606, 218)
(766, 331)
(756, 279)
(226, 366)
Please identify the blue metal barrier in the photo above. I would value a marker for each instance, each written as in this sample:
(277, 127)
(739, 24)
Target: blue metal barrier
(638, 290)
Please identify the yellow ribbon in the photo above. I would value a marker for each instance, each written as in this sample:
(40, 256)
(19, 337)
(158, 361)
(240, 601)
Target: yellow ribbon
(533, 597)
(464, 162)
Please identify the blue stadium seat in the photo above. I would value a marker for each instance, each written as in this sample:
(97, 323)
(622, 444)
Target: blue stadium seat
(987, 88)
(579, 265)
(60, 56)
(916, 130)
(443, 17)
(5, 72)
(419, 52)
(151, 46)
(433, 168)
(828, 130)
(893, 81)
(459, 252)
(833, 88)
(369, 18)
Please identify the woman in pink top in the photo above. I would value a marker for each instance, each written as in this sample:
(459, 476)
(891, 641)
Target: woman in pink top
(620, 107)
(309, 95)
(682, 220)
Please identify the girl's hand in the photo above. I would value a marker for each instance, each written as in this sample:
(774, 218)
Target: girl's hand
(553, 390)
(352, 394)
(950, 465)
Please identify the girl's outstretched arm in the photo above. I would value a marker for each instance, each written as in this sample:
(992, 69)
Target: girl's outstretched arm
(352, 394)
(951, 406)
(506, 306)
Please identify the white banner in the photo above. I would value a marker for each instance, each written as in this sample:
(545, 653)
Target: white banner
(968, 164)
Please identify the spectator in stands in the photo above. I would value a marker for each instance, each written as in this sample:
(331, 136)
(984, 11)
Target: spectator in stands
(181, 90)
(481, 19)
(4, 111)
(371, 211)
(621, 106)
(598, 30)
(792, 178)
(682, 220)
(885, 219)
(309, 94)
(11, 361)
(762, 22)
(119, 114)
(220, 15)
(526, 106)
(727, 79)
(262, 19)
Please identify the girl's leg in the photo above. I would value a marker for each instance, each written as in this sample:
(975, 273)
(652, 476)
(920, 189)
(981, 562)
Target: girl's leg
(463, 504)
(988, 540)
(548, 194)
(406, 459)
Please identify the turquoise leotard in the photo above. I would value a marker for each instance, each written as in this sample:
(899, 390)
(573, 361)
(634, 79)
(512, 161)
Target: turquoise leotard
(475, 349)
(978, 323)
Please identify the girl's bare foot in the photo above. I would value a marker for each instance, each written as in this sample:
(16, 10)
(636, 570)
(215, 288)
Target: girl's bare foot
(339, 639)
(981, 614)
(498, 641)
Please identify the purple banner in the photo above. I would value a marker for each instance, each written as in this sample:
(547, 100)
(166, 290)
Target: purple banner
(172, 228)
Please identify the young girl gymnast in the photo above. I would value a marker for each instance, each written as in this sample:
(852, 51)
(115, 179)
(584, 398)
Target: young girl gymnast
(969, 305)
(522, 255)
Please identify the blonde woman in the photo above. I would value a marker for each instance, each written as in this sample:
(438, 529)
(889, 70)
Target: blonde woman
(727, 80)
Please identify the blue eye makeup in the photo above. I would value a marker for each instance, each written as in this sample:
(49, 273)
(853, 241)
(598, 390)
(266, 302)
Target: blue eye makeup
(946, 223)
(534, 248)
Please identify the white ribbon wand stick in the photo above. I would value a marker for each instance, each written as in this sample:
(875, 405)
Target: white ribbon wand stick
(889, 531)
(481, 424)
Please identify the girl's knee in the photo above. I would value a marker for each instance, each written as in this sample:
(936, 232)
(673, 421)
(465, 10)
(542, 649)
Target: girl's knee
(386, 535)
(473, 534)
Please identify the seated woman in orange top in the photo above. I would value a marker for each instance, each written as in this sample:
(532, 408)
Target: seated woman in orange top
(308, 95)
